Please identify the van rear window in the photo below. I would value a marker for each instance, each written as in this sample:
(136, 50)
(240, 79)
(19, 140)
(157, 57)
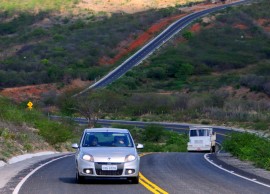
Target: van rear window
(199, 132)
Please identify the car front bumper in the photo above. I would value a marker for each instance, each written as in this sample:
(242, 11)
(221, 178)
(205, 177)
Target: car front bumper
(94, 169)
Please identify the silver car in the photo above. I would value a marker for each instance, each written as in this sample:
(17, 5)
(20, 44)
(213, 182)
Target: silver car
(107, 152)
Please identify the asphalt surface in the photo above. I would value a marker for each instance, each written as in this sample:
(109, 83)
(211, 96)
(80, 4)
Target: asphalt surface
(59, 177)
(187, 173)
(190, 173)
(11, 174)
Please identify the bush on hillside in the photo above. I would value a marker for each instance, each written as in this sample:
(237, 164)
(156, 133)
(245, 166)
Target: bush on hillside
(250, 147)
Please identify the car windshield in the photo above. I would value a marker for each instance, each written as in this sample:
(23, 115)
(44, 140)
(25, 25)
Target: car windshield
(199, 132)
(107, 139)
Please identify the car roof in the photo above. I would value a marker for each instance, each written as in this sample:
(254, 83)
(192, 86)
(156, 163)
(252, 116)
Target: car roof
(106, 130)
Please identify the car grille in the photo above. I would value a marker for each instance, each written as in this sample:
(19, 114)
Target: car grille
(109, 172)
(118, 172)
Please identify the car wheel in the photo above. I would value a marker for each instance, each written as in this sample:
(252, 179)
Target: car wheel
(134, 180)
(80, 179)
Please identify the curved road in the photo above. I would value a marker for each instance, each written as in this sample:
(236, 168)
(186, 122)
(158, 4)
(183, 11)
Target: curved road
(187, 173)
(222, 132)
(154, 44)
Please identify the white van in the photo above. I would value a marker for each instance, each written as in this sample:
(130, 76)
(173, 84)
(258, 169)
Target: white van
(201, 139)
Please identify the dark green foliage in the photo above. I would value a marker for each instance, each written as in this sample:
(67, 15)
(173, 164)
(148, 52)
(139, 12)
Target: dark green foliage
(156, 139)
(213, 58)
(73, 48)
(187, 35)
(249, 147)
(153, 133)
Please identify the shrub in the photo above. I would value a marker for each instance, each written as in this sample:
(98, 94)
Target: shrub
(250, 147)
(254, 82)
(153, 133)
(187, 35)
(261, 125)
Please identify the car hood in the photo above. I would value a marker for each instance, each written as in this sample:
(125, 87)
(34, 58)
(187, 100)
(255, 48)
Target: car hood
(108, 154)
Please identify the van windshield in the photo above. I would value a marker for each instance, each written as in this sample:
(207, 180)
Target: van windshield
(199, 132)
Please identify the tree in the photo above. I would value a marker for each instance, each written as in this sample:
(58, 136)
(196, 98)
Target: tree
(184, 70)
(90, 106)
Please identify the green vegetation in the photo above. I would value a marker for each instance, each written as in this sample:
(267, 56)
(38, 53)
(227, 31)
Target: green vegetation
(196, 80)
(249, 147)
(23, 130)
(52, 132)
(156, 139)
(217, 56)
(47, 47)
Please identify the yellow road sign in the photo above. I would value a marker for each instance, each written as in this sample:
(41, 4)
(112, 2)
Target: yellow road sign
(30, 105)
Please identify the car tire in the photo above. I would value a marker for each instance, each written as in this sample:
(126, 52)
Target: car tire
(134, 180)
(80, 179)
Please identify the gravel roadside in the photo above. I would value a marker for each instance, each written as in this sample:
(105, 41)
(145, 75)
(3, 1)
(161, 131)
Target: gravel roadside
(243, 165)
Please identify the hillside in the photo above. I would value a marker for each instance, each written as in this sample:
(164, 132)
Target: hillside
(215, 72)
(44, 45)
(42, 55)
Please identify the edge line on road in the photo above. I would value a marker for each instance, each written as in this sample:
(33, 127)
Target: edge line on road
(18, 187)
(235, 174)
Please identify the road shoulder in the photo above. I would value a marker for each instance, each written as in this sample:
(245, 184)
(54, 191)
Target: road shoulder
(243, 168)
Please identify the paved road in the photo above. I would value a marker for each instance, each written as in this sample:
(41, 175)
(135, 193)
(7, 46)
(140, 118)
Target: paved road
(190, 173)
(187, 173)
(59, 177)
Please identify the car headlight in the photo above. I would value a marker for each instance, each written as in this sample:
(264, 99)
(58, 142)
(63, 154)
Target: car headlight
(130, 158)
(88, 157)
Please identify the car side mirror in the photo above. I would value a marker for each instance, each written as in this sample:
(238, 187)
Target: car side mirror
(140, 146)
(75, 146)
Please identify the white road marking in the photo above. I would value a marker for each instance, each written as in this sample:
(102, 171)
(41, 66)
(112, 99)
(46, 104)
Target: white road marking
(18, 187)
(233, 173)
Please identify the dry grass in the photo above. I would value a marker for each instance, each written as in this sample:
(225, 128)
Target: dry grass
(129, 6)
(17, 140)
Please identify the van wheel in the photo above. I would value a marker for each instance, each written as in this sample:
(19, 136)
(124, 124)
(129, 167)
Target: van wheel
(213, 149)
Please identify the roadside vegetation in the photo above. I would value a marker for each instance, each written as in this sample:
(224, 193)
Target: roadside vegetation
(49, 47)
(249, 147)
(218, 74)
(157, 139)
(23, 130)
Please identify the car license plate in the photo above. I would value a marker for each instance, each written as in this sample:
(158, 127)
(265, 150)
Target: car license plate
(109, 167)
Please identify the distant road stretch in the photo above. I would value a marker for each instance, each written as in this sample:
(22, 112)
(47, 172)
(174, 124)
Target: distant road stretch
(154, 44)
